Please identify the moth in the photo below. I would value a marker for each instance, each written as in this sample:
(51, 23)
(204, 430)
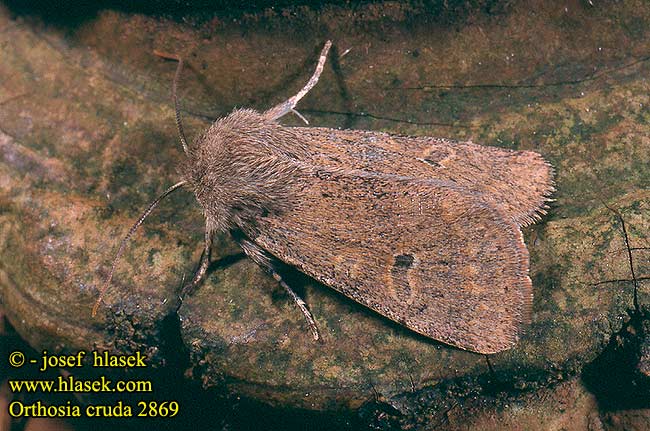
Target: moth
(422, 230)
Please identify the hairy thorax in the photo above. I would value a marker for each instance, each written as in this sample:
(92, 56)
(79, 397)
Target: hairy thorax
(244, 165)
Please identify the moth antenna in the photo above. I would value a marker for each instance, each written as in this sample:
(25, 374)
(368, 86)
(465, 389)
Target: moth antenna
(128, 236)
(177, 109)
(284, 108)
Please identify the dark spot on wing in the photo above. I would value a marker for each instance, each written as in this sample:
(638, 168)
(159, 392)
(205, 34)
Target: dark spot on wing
(404, 260)
(399, 275)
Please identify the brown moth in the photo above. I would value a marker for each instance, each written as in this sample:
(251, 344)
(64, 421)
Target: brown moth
(424, 231)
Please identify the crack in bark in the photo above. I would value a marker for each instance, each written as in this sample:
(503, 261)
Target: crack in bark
(621, 280)
(380, 117)
(568, 82)
(635, 280)
(616, 376)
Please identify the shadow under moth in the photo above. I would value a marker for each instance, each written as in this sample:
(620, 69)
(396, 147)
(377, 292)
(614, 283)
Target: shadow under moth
(422, 230)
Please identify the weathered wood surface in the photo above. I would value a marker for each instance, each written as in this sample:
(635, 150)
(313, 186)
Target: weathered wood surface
(87, 139)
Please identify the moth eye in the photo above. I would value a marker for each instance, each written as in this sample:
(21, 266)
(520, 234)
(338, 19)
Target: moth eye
(404, 260)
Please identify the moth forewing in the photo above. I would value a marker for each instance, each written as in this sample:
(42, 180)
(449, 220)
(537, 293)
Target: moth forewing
(519, 182)
(424, 253)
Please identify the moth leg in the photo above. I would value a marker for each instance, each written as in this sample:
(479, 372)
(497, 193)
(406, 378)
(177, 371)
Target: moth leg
(299, 115)
(199, 275)
(284, 108)
(300, 303)
(263, 259)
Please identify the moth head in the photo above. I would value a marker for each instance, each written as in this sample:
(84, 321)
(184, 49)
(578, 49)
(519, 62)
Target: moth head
(241, 168)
